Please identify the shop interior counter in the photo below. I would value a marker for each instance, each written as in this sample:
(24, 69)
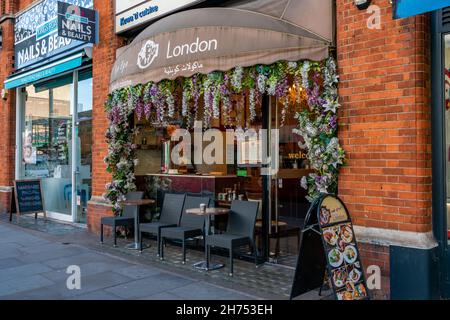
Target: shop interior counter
(206, 185)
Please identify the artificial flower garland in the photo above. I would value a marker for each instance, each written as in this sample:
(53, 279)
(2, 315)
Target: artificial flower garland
(157, 102)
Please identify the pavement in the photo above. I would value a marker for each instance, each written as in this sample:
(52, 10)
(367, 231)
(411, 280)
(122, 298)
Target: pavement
(35, 257)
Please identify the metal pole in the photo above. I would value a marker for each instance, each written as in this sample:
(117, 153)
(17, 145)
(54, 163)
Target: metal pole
(19, 126)
(75, 168)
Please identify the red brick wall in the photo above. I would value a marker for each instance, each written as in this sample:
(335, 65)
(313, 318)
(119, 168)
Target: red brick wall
(385, 118)
(104, 57)
(5, 201)
(95, 213)
(7, 106)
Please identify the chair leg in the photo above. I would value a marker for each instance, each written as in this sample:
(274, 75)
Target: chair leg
(115, 235)
(207, 248)
(255, 253)
(231, 262)
(140, 242)
(161, 253)
(184, 251)
(101, 233)
(158, 242)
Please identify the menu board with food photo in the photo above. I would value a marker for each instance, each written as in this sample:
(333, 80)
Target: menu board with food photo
(332, 211)
(341, 250)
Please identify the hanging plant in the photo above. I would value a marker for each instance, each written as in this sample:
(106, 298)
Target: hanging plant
(317, 125)
(318, 129)
(236, 79)
(121, 158)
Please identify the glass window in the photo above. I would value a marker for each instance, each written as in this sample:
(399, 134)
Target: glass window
(84, 116)
(47, 144)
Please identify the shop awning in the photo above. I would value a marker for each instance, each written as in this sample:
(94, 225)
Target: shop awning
(316, 16)
(213, 39)
(408, 8)
(46, 71)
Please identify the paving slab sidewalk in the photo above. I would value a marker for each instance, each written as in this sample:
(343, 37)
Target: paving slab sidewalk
(32, 267)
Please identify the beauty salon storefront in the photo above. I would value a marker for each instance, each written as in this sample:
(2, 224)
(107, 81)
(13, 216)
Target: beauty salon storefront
(54, 122)
(232, 103)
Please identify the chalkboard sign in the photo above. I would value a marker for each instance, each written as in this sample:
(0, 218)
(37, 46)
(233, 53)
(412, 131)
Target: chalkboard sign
(332, 226)
(28, 197)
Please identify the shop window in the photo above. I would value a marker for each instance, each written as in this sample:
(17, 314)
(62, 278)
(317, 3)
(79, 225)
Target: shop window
(47, 142)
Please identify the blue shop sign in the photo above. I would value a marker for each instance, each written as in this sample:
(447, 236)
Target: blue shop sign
(36, 33)
(408, 8)
(52, 69)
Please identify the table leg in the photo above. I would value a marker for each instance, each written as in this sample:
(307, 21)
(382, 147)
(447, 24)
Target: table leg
(206, 265)
(135, 245)
(136, 228)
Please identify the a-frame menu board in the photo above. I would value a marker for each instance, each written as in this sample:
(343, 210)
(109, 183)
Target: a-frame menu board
(328, 222)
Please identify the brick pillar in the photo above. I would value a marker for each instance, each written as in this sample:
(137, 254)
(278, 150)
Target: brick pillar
(7, 109)
(104, 54)
(385, 123)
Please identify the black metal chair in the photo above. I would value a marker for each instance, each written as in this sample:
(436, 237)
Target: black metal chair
(125, 220)
(191, 226)
(170, 217)
(240, 230)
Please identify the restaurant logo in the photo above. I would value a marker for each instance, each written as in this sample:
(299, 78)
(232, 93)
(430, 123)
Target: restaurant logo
(148, 54)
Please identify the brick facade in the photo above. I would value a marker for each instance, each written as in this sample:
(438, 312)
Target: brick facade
(385, 124)
(7, 104)
(104, 55)
(384, 120)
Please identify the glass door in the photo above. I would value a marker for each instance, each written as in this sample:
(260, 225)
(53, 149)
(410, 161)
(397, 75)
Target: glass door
(54, 111)
(84, 148)
(46, 146)
(288, 204)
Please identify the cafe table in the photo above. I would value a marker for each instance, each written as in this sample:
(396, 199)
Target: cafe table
(208, 213)
(138, 203)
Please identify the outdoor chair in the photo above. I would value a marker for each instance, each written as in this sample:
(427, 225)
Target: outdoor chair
(170, 217)
(240, 230)
(191, 226)
(124, 220)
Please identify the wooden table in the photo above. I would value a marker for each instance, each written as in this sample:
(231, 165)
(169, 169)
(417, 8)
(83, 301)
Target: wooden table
(208, 213)
(138, 203)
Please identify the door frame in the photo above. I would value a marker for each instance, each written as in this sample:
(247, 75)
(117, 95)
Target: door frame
(439, 183)
(20, 119)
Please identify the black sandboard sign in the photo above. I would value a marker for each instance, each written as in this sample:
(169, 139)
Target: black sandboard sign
(331, 223)
(28, 197)
(344, 266)
(311, 263)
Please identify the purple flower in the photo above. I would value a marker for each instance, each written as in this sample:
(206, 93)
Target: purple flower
(333, 122)
(282, 86)
(147, 110)
(114, 116)
(139, 108)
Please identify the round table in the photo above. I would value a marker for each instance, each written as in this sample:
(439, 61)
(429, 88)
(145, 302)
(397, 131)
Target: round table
(138, 203)
(208, 213)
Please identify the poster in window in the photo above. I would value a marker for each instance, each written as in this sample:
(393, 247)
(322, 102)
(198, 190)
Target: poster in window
(29, 152)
